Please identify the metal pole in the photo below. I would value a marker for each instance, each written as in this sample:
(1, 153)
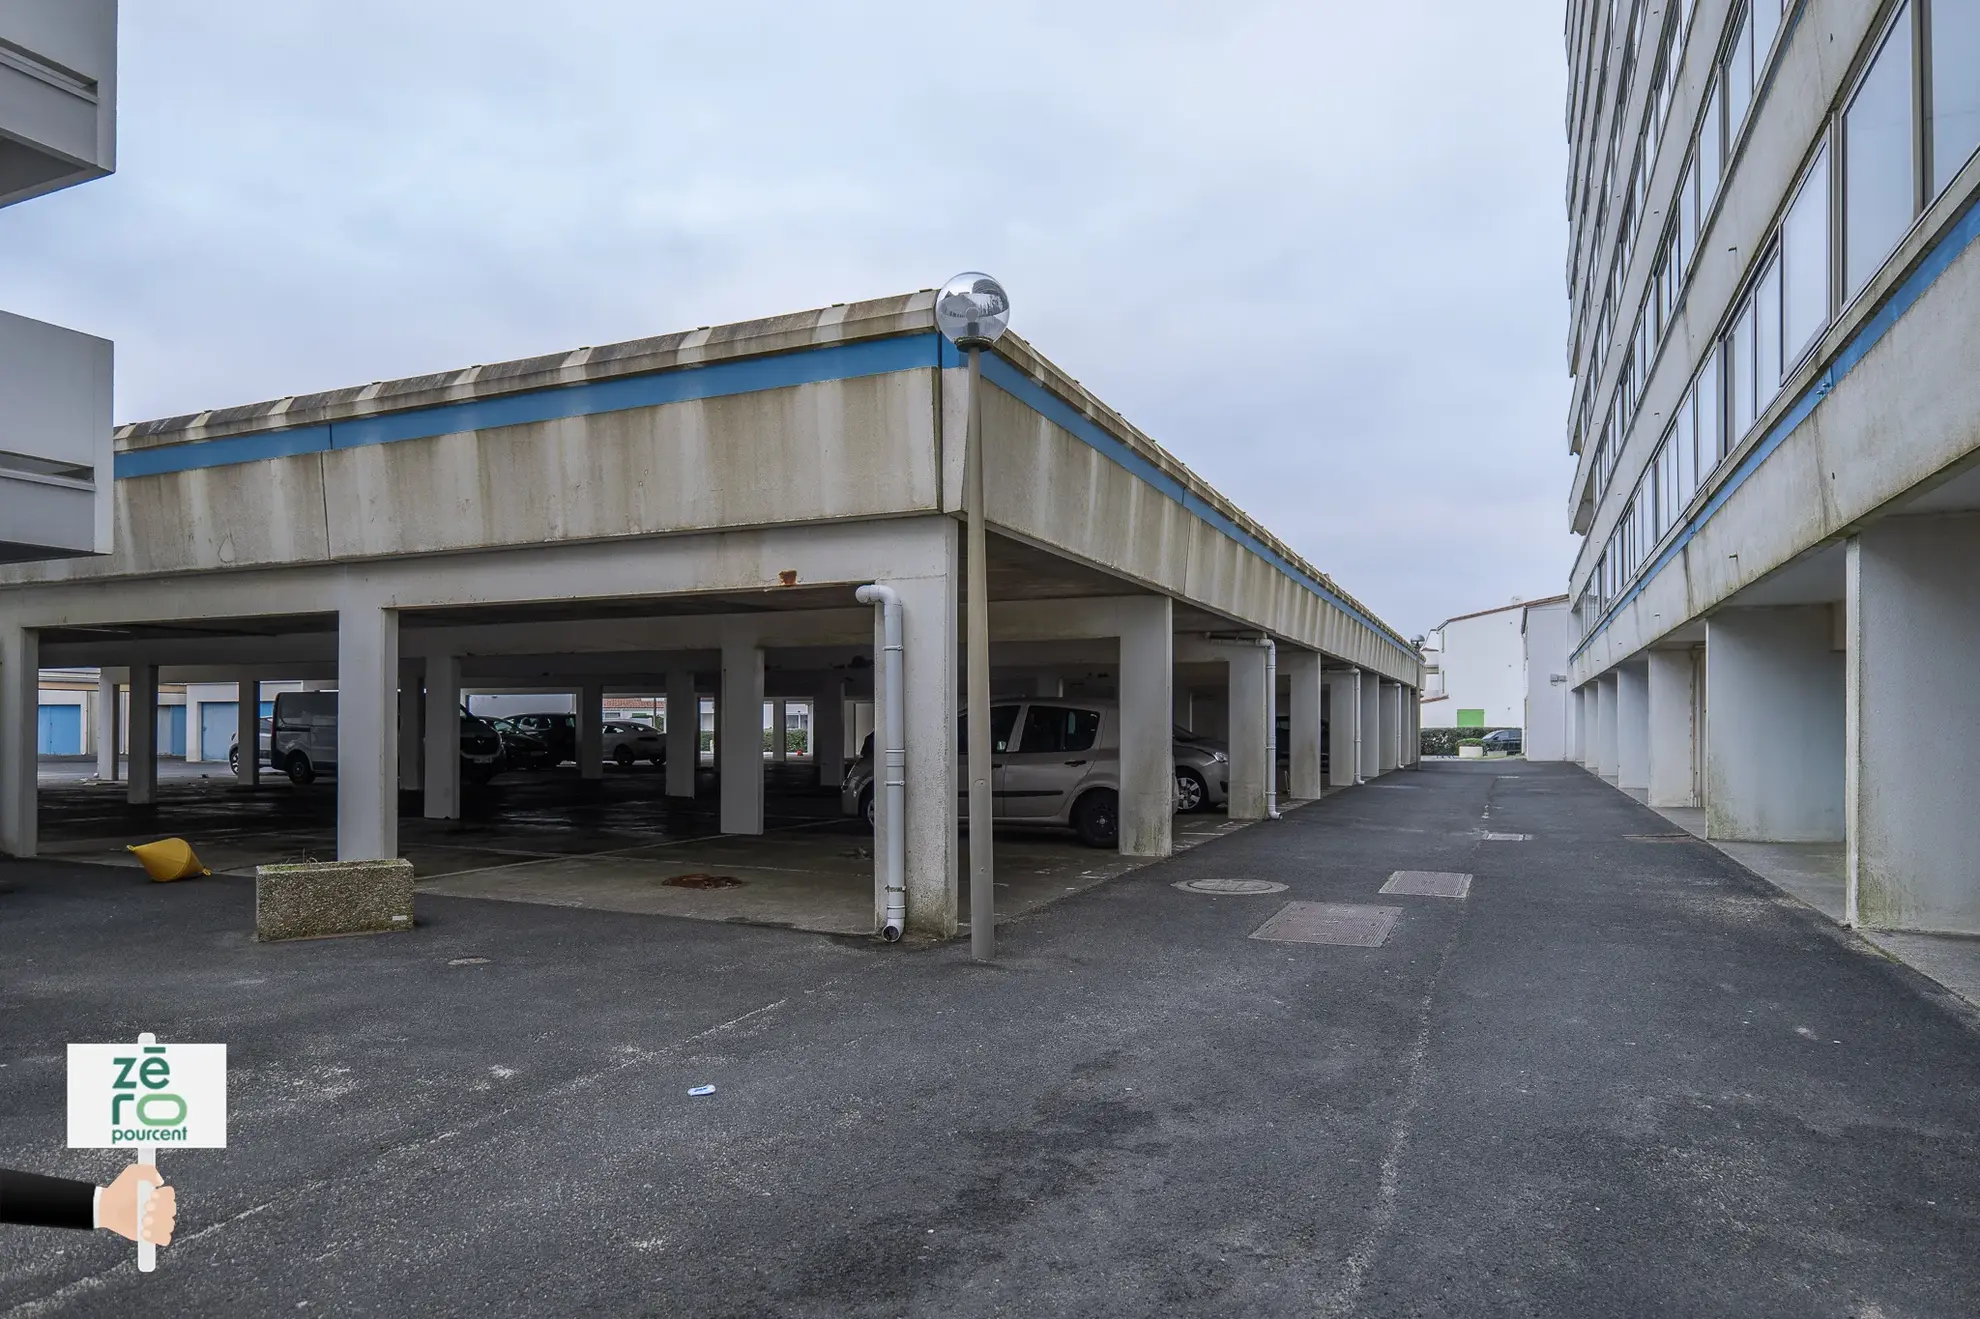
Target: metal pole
(982, 884)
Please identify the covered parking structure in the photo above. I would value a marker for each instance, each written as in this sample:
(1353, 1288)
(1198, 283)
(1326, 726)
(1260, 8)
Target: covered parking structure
(692, 515)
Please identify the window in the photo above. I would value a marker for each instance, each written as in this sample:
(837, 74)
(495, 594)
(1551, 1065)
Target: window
(1054, 729)
(1766, 22)
(1687, 230)
(1767, 336)
(1712, 444)
(1003, 718)
(1739, 375)
(1685, 450)
(1879, 192)
(1805, 263)
(1955, 109)
(1739, 76)
(1711, 146)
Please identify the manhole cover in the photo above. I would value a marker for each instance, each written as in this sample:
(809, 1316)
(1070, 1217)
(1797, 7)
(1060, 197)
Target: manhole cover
(467, 961)
(703, 881)
(1489, 837)
(1428, 883)
(1330, 922)
(1659, 838)
(1230, 887)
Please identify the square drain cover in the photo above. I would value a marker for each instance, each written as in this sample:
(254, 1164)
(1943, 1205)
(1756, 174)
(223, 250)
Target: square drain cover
(1330, 922)
(1429, 883)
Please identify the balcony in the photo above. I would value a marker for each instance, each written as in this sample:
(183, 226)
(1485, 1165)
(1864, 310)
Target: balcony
(55, 441)
(58, 95)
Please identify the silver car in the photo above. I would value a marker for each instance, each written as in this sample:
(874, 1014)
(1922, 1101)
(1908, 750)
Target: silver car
(1057, 762)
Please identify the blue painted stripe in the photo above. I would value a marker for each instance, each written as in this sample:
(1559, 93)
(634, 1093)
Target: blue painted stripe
(1069, 418)
(1934, 264)
(867, 357)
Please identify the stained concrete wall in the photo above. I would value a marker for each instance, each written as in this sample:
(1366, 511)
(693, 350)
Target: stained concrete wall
(1913, 741)
(1632, 727)
(1774, 727)
(1673, 748)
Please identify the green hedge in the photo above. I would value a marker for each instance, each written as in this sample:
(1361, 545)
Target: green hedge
(1444, 741)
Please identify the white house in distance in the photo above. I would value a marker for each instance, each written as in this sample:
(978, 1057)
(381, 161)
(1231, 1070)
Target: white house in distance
(1482, 670)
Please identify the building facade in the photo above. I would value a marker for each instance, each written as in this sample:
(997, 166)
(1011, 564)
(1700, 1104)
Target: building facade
(1474, 670)
(58, 127)
(1775, 297)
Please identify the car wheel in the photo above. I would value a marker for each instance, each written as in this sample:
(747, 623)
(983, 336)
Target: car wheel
(299, 768)
(478, 774)
(1096, 818)
(658, 761)
(867, 809)
(234, 760)
(1191, 791)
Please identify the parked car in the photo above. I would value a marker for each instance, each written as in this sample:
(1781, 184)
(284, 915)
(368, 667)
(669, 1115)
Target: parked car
(558, 731)
(627, 742)
(1057, 762)
(303, 743)
(522, 749)
(1507, 740)
(266, 726)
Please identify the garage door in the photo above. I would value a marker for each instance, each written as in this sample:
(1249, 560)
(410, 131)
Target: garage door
(217, 721)
(171, 730)
(58, 730)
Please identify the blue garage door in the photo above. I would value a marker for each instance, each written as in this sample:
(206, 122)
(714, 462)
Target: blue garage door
(59, 730)
(172, 730)
(216, 728)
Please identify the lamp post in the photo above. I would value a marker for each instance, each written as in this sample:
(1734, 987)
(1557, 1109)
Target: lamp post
(971, 311)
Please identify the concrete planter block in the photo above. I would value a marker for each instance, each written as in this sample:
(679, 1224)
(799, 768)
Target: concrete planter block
(1471, 753)
(318, 898)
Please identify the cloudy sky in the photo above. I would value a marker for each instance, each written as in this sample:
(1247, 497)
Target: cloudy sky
(1314, 248)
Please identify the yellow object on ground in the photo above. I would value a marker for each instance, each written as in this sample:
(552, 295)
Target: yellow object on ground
(168, 858)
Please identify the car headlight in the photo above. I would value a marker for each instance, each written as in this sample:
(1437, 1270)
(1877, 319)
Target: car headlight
(1219, 757)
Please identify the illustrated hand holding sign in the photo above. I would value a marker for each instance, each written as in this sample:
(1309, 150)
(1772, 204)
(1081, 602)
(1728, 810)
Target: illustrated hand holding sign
(140, 1096)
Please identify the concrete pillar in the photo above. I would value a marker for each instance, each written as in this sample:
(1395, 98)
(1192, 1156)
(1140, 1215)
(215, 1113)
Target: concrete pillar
(859, 727)
(683, 733)
(1371, 726)
(828, 733)
(410, 741)
(1344, 727)
(1576, 724)
(247, 734)
(142, 758)
(739, 736)
(1605, 725)
(20, 703)
(1250, 740)
(1632, 727)
(1182, 707)
(1391, 715)
(932, 660)
(1148, 764)
(1913, 729)
(1672, 701)
(108, 717)
(367, 733)
(443, 738)
(1048, 685)
(1305, 779)
(780, 730)
(1774, 728)
(591, 730)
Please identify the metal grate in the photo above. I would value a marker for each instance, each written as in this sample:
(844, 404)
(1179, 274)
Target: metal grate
(1330, 922)
(1428, 883)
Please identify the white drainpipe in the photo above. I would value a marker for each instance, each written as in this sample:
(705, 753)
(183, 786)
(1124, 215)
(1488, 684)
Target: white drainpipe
(891, 864)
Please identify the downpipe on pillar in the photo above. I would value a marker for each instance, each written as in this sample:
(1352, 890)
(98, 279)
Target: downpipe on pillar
(892, 867)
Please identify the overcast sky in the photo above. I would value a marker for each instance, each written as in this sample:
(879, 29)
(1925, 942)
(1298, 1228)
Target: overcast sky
(1313, 248)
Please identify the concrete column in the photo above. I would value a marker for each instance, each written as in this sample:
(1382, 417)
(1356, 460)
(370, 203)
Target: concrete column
(591, 730)
(828, 733)
(1344, 727)
(1913, 757)
(1182, 707)
(1606, 762)
(1148, 763)
(683, 733)
(1632, 727)
(1048, 685)
(1673, 731)
(142, 758)
(247, 707)
(1391, 714)
(108, 717)
(1576, 725)
(1303, 668)
(410, 741)
(367, 733)
(1774, 727)
(1250, 741)
(739, 736)
(932, 660)
(780, 730)
(443, 738)
(1371, 726)
(859, 727)
(20, 703)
